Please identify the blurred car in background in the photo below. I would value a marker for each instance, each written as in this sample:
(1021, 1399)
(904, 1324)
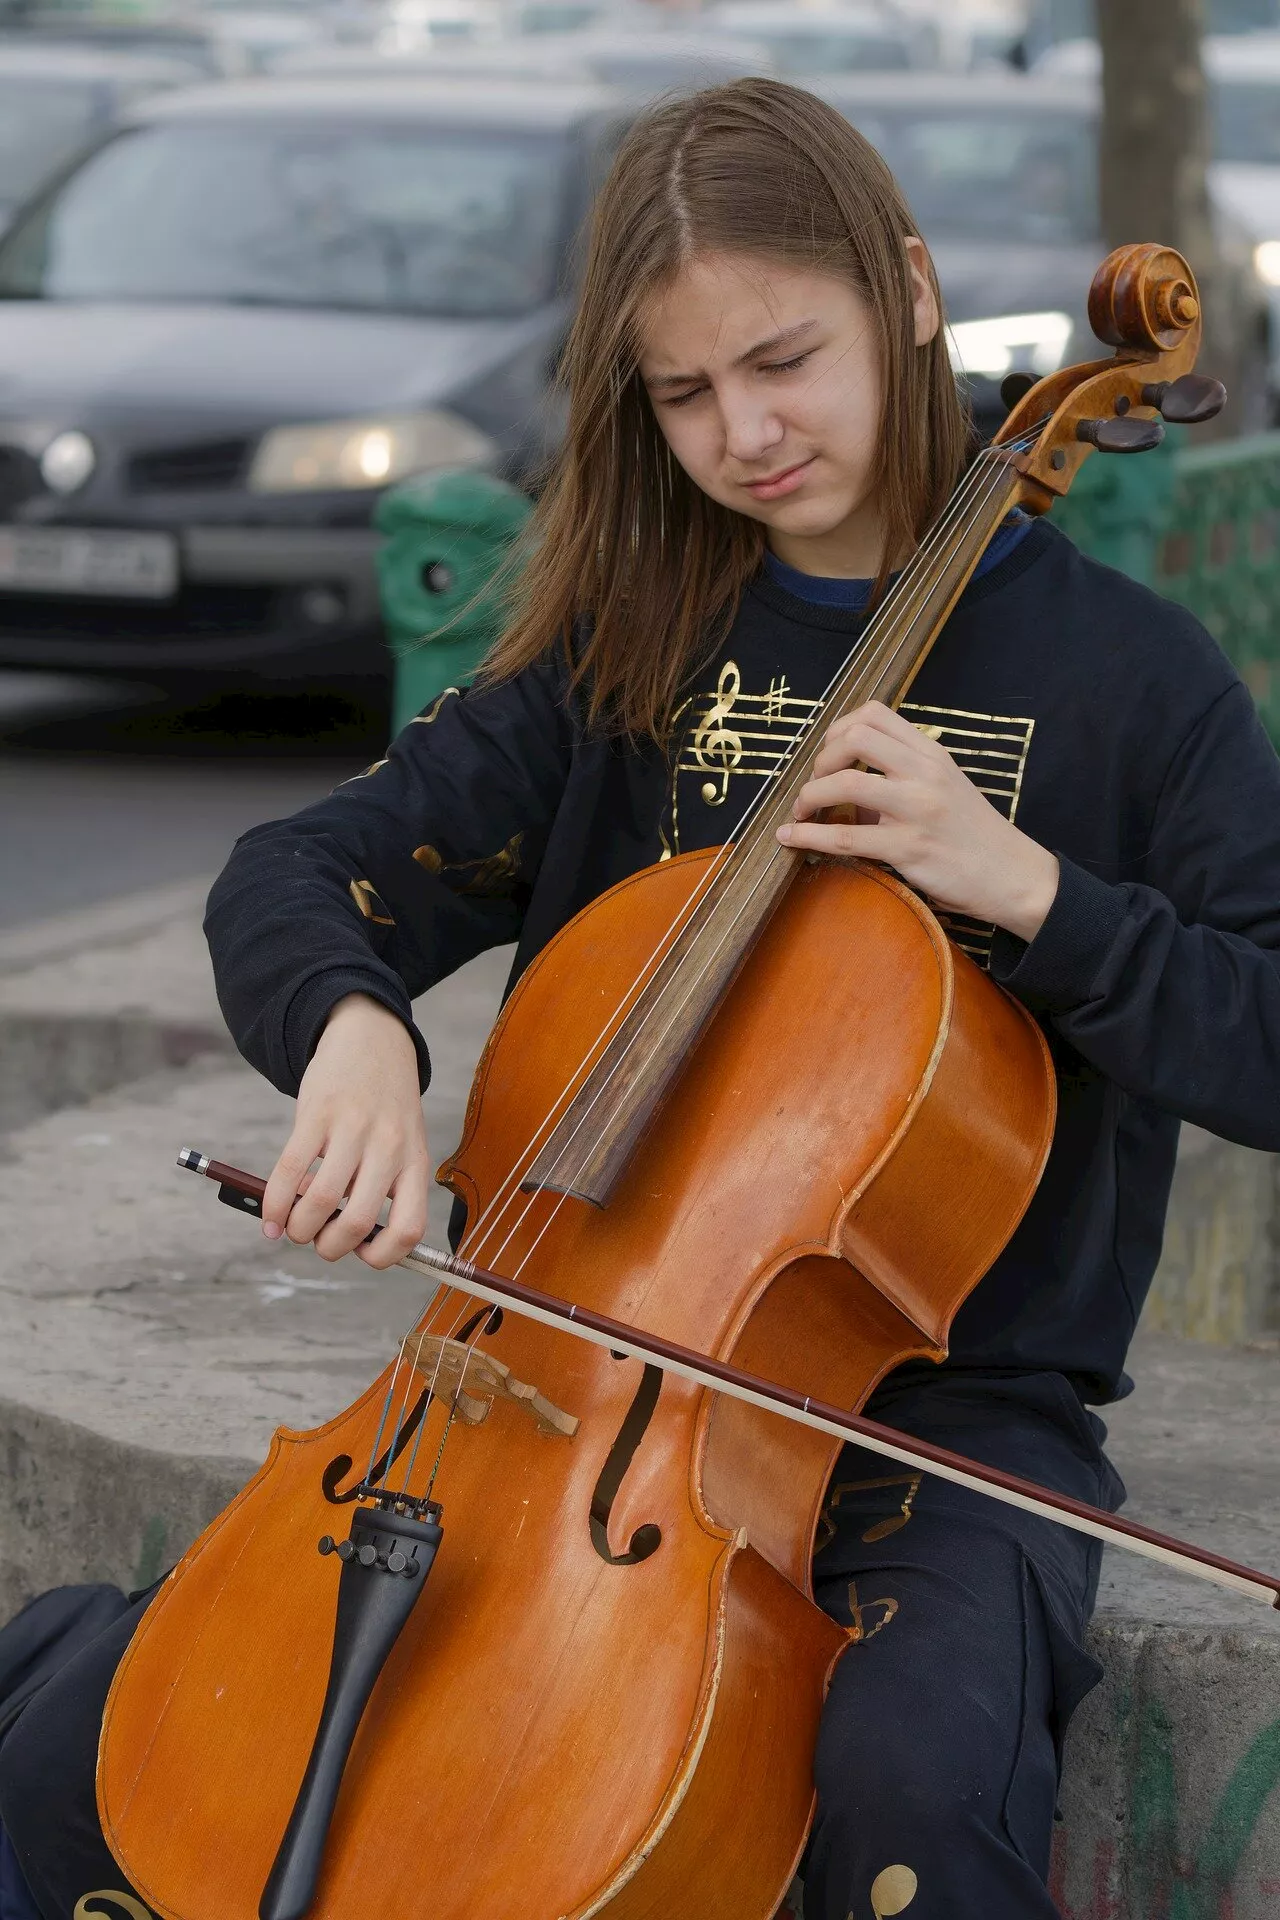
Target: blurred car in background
(972, 33)
(1049, 22)
(236, 322)
(644, 65)
(1001, 172)
(410, 25)
(471, 60)
(1243, 72)
(198, 44)
(251, 37)
(845, 38)
(56, 99)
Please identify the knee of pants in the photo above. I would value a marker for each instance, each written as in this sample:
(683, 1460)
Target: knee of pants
(914, 1772)
(48, 1762)
(33, 1773)
(941, 1753)
(20, 1787)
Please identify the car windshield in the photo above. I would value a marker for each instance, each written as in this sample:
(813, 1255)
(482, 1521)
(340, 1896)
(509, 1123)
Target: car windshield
(392, 217)
(983, 174)
(41, 122)
(1247, 123)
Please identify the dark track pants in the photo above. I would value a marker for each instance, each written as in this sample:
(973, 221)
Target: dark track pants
(937, 1763)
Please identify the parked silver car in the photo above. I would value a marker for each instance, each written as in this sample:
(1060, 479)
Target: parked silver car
(1001, 172)
(56, 99)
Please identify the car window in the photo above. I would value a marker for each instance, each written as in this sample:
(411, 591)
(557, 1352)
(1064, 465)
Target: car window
(984, 175)
(1247, 123)
(392, 217)
(41, 123)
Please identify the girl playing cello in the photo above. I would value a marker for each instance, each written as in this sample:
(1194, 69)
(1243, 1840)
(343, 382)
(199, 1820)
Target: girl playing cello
(763, 424)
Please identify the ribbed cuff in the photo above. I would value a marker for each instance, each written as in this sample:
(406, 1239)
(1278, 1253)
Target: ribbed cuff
(317, 997)
(1057, 970)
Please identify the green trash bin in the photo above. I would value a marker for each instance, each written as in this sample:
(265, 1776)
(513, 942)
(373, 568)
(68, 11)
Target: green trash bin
(440, 578)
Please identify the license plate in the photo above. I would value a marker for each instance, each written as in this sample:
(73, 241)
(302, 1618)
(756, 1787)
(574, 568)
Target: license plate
(129, 566)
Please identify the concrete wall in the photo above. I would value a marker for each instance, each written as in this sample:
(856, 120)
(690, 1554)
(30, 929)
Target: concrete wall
(1218, 1278)
(75, 1506)
(1171, 1793)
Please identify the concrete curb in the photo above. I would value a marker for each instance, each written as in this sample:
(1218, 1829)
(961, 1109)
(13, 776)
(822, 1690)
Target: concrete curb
(112, 923)
(1171, 1790)
(93, 999)
(52, 1061)
(75, 1506)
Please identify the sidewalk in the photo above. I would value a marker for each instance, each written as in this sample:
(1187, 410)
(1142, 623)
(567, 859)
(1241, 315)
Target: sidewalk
(151, 1341)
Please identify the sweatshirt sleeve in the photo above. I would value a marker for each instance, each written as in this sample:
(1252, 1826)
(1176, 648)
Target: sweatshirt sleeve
(1170, 984)
(396, 879)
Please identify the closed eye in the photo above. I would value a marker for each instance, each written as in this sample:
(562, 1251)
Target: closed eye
(771, 366)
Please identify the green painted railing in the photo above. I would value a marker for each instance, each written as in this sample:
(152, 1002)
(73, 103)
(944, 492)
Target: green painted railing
(1202, 525)
(1198, 523)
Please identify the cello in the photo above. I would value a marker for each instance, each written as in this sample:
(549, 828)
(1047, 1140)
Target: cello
(748, 1108)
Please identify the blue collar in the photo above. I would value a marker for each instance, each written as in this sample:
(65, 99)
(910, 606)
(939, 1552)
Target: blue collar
(853, 595)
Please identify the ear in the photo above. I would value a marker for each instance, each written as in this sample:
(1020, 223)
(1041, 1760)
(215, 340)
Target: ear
(924, 301)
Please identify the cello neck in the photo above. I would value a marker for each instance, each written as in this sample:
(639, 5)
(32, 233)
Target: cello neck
(626, 1078)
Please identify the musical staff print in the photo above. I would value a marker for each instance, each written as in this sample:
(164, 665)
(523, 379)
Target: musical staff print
(728, 738)
(992, 749)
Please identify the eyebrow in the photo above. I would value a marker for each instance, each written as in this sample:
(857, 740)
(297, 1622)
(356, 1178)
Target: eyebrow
(789, 336)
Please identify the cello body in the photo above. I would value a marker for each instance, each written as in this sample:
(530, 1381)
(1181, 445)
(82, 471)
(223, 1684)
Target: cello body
(575, 1720)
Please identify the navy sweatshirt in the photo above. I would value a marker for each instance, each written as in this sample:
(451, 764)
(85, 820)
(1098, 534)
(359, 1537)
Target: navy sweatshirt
(1102, 719)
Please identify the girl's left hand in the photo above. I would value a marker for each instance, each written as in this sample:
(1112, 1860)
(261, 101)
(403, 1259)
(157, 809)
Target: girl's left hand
(916, 812)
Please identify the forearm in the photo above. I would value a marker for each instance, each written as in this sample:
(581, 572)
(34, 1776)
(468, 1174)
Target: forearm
(1185, 1016)
(288, 942)
(395, 880)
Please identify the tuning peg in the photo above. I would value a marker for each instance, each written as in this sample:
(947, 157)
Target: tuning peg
(1121, 436)
(1185, 402)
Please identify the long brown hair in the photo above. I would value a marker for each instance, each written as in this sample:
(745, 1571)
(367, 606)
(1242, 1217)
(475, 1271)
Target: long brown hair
(631, 568)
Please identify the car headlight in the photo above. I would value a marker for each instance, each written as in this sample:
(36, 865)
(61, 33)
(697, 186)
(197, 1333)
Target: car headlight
(1266, 260)
(340, 454)
(1015, 342)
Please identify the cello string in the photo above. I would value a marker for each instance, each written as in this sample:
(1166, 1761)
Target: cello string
(481, 1232)
(386, 1404)
(983, 480)
(692, 908)
(770, 788)
(472, 1340)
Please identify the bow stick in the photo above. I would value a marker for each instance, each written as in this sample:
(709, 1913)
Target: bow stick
(246, 1190)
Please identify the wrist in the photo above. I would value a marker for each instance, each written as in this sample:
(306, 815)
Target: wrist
(359, 1006)
(1037, 889)
(360, 1013)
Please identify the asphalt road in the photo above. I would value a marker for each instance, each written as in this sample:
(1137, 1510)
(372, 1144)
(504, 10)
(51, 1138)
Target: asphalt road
(108, 790)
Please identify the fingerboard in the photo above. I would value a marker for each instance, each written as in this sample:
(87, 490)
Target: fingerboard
(621, 1086)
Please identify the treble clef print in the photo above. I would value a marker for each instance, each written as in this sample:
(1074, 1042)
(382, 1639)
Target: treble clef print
(87, 1907)
(716, 747)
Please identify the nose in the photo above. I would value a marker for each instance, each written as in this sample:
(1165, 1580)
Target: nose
(751, 431)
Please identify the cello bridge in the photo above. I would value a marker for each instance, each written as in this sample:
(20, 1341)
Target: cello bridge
(472, 1381)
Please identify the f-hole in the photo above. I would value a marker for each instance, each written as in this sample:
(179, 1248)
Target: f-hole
(647, 1539)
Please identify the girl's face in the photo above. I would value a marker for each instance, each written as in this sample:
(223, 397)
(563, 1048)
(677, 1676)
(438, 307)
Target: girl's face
(767, 383)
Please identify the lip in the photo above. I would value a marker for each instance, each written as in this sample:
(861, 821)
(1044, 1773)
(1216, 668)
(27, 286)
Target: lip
(782, 483)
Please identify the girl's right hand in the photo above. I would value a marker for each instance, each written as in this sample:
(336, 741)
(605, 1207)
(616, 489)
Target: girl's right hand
(360, 1114)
